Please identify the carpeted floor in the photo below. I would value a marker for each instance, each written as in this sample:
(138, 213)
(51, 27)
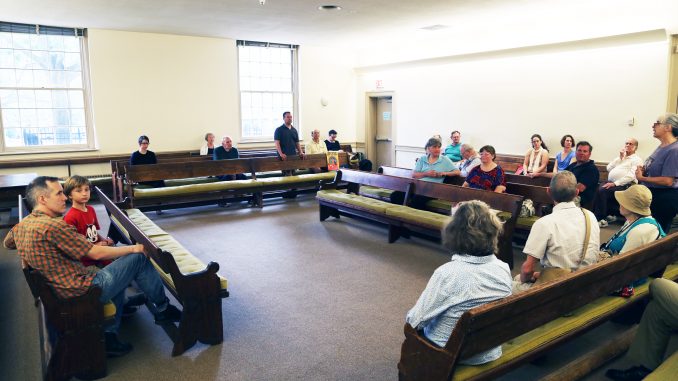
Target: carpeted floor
(309, 301)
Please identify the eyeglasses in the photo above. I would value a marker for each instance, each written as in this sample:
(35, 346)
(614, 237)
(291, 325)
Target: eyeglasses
(657, 123)
(143, 143)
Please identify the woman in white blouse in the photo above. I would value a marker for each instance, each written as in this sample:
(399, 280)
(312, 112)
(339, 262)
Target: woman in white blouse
(537, 158)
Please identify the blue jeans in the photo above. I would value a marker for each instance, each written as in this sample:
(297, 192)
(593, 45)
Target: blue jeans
(114, 279)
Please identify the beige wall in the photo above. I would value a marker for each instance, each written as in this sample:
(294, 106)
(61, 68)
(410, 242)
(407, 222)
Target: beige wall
(588, 89)
(176, 88)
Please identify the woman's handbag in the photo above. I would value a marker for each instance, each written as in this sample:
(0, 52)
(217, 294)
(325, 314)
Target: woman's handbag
(552, 273)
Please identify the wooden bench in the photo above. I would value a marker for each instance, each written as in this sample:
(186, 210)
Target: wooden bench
(401, 219)
(195, 285)
(71, 330)
(254, 189)
(528, 324)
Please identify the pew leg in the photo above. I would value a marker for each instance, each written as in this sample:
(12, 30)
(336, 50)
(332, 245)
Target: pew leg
(326, 212)
(394, 233)
(259, 199)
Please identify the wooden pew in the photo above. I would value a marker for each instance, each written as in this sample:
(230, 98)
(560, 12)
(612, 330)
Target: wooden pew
(533, 322)
(71, 330)
(199, 292)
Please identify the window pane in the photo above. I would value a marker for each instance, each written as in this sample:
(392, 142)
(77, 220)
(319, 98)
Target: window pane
(26, 99)
(29, 117)
(13, 137)
(55, 43)
(43, 99)
(6, 58)
(7, 77)
(45, 118)
(72, 44)
(11, 118)
(21, 41)
(60, 98)
(9, 99)
(24, 78)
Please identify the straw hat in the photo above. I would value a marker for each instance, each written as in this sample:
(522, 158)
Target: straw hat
(636, 199)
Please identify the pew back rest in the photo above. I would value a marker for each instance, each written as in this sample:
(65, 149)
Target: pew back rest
(499, 201)
(267, 164)
(184, 170)
(538, 195)
(366, 178)
(526, 180)
(492, 324)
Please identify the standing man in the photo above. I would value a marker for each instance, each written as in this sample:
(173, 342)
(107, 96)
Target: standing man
(621, 174)
(586, 172)
(55, 249)
(287, 138)
(453, 151)
(225, 152)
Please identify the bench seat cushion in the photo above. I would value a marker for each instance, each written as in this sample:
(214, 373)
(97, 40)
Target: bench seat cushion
(550, 331)
(296, 178)
(186, 262)
(364, 203)
(190, 181)
(671, 271)
(418, 217)
(522, 222)
(141, 193)
(376, 192)
(666, 371)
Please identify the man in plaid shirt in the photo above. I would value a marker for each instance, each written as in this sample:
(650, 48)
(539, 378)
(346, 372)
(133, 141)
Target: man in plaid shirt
(54, 248)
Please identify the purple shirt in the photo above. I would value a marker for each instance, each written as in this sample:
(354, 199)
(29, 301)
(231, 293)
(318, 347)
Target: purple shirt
(663, 163)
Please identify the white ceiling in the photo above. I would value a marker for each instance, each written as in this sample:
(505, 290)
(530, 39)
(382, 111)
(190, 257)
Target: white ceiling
(360, 22)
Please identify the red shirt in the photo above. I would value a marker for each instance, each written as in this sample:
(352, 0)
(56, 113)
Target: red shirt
(54, 248)
(86, 223)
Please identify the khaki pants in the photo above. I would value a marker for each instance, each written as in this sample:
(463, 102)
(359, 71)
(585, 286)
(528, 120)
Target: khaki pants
(654, 330)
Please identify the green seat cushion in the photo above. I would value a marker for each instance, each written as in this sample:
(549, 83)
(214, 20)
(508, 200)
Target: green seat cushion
(551, 331)
(328, 176)
(671, 271)
(375, 192)
(527, 222)
(186, 262)
(665, 371)
(438, 204)
(416, 216)
(194, 188)
(361, 202)
(189, 181)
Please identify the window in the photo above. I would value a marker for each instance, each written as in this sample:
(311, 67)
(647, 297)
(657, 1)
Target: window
(268, 87)
(44, 89)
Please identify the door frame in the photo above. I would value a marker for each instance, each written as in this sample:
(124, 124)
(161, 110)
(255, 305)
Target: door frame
(371, 98)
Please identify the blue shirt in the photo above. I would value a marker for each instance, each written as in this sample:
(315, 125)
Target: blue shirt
(443, 164)
(456, 287)
(453, 152)
(663, 163)
(561, 162)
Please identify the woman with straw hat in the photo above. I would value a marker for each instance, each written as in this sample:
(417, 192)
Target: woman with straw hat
(640, 227)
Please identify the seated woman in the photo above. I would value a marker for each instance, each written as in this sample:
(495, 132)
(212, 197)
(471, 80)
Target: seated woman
(537, 158)
(144, 157)
(566, 156)
(208, 147)
(640, 227)
(488, 175)
(474, 276)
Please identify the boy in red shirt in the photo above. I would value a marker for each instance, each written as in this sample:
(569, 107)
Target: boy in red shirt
(84, 218)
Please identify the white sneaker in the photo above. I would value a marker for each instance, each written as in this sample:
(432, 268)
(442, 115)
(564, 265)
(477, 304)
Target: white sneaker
(611, 219)
(602, 223)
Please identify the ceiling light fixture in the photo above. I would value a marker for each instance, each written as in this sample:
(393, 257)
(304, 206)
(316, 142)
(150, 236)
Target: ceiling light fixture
(329, 8)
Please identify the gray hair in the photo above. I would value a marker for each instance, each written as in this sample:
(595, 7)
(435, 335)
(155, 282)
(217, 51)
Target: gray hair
(672, 120)
(467, 147)
(563, 186)
(38, 187)
(473, 230)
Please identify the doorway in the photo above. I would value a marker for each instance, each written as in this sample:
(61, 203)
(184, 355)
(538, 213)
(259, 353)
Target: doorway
(379, 134)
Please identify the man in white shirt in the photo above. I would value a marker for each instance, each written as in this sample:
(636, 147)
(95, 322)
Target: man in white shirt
(315, 146)
(621, 174)
(471, 160)
(557, 240)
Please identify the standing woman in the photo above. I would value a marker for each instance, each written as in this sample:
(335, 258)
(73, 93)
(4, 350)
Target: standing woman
(537, 158)
(660, 172)
(144, 157)
(488, 175)
(566, 156)
(208, 147)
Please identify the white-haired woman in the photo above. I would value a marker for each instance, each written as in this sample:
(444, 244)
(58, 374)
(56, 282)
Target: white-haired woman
(473, 277)
(208, 147)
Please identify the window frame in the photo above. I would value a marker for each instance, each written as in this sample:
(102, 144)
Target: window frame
(90, 144)
(295, 90)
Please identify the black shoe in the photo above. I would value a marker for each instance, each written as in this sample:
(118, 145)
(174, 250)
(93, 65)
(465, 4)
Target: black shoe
(635, 373)
(115, 347)
(128, 311)
(170, 315)
(136, 300)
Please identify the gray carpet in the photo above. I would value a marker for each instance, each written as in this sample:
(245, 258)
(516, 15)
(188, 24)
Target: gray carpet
(309, 301)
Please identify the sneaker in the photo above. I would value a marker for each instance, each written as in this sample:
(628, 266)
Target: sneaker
(171, 314)
(611, 219)
(115, 347)
(602, 223)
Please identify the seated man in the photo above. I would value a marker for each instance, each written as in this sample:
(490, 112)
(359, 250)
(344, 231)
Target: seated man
(659, 320)
(621, 174)
(55, 249)
(224, 152)
(586, 172)
(315, 146)
(453, 151)
(557, 240)
(471, 160)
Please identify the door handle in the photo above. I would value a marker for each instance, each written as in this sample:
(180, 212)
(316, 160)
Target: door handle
(382, 139)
